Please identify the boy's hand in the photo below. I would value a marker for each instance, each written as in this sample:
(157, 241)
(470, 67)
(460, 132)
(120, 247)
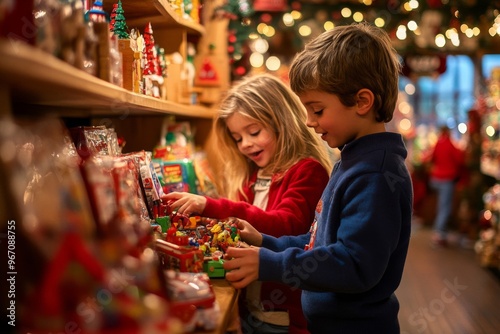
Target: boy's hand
(248, 233)
(186, 203)
(243, 266)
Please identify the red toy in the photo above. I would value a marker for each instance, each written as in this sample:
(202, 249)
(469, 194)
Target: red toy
(179, 257)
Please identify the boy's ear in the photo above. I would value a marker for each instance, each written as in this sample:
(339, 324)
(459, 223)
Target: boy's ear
(365, 99)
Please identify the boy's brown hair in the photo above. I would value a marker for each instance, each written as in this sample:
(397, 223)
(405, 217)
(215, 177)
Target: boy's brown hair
(346, 59)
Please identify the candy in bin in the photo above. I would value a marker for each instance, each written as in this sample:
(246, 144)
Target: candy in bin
(223, 234)
(214, 238)
(164, 223)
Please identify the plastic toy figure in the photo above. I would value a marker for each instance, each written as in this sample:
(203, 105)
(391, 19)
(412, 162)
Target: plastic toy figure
(96, 13)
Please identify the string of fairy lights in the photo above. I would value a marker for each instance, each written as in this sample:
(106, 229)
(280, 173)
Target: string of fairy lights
(454, 26)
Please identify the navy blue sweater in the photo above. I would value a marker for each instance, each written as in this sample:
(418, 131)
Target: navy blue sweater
(351, 261)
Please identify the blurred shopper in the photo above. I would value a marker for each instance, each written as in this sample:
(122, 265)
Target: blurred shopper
(447, 163)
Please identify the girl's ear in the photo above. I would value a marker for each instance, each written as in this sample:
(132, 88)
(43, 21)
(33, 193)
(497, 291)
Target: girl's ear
(365, 99)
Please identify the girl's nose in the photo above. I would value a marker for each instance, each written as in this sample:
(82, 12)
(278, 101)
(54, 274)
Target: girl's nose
(246, 142)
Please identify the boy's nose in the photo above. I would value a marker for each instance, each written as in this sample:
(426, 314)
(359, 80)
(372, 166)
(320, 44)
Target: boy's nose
(311, 122)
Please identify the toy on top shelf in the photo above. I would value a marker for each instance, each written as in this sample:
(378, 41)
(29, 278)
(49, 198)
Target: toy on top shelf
(112, 17)
(137, 45)
(119, 26)
(152, 72)
(96, 13)
(191, 10)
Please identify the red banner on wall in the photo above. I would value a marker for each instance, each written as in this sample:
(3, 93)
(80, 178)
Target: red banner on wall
(424, 65)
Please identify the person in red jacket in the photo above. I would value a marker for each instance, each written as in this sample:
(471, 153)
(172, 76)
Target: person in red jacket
(447, 162)
(275, 171)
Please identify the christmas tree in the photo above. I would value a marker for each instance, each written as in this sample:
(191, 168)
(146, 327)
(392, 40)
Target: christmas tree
(112, 18)
(162, 61)
(150, 59)
(120, 27)
(152, 72)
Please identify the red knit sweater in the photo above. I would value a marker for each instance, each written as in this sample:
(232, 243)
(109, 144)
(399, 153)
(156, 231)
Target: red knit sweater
(291, 204)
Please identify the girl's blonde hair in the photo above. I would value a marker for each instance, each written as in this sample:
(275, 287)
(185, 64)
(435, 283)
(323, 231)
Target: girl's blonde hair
(267, 100)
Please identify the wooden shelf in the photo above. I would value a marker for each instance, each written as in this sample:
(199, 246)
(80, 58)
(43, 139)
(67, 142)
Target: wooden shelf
(35, 77)
(159, 12)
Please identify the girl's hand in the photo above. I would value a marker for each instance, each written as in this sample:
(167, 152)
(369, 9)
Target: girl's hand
(243, 266)
(186, 203)
(248, 233)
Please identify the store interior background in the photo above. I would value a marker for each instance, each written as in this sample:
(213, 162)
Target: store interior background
(450, 50)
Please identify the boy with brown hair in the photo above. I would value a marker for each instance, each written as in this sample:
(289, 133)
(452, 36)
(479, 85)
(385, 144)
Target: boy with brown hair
(351, 261)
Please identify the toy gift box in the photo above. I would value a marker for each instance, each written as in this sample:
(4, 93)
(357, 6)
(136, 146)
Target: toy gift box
(183, 258)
